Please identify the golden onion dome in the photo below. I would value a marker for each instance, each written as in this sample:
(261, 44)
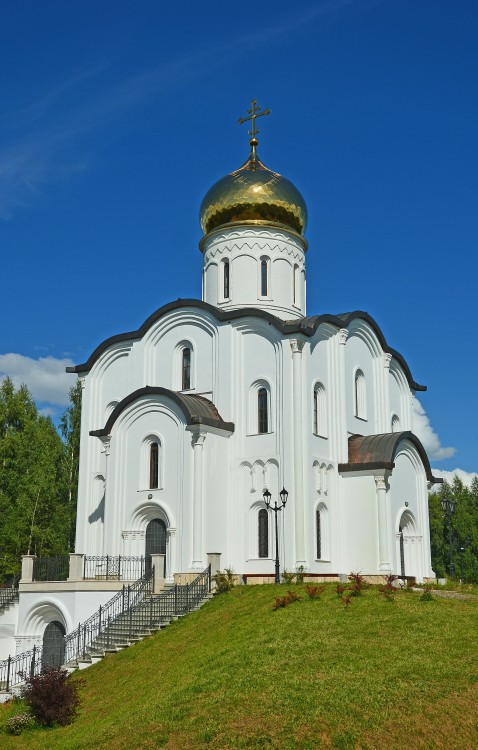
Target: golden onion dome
(253, 193)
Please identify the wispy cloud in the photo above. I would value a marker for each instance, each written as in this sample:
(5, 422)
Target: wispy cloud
(52, 148)
(424, 431)
(45, 378)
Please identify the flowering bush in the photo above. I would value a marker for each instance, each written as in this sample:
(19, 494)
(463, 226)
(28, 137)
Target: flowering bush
(16, 724)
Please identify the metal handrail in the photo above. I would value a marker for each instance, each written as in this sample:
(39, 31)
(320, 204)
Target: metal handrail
(128, 612)
(51, 568)
(111, 567)
(9, 592)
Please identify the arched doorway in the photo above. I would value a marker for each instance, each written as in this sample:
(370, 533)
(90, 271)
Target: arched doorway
(408, 547)
(155, 542)
(53, 654)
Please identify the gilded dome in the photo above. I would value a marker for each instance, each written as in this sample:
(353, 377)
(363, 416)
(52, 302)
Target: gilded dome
(253, 193)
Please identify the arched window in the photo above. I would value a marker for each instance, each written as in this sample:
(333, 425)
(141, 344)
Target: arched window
(262, 411)
(320, 410)
(264, 277)
(395, 423)
(319, 532)
(186, 369)
(225, 280)
(295, 283)
(263, 532)
(360, 395)
(154, 466)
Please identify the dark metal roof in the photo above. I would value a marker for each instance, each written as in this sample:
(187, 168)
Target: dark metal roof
(370, 452)
(197, 409)
(307, 326)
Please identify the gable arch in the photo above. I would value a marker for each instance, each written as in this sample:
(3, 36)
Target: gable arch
(145, 512)
(42, 613)
(363, 331)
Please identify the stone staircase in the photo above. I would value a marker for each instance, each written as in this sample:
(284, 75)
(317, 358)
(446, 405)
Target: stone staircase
(146, 619)
(133, 613)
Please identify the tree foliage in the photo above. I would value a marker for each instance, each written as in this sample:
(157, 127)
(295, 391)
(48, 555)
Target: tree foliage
(464, 531)
(37, 504)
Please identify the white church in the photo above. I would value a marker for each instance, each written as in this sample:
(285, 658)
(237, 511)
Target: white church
(189, 420)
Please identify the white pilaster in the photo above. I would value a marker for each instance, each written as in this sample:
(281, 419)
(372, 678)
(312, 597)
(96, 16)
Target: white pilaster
(171, 554)
(297, 345)
(341, 391)
(198, 439)
(386, 421)
(382, 486)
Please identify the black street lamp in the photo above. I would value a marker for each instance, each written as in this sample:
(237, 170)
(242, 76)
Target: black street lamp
(448, 506)
(283, 494)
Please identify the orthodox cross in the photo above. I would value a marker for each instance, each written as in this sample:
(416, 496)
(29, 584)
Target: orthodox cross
(254, 112)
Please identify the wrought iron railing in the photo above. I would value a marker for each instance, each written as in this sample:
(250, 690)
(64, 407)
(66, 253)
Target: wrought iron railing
(14, 669)
(9, 592)
(113, 567)
(77, 642)
(51, 568)
(131, 611)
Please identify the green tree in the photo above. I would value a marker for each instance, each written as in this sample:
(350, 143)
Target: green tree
(34, 509)
(464, 530)
(70, 424)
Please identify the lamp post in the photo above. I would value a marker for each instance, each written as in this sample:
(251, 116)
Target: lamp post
(283, 494)
(448, 507)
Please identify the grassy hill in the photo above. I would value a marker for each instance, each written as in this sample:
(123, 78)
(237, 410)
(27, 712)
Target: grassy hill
(236, 674)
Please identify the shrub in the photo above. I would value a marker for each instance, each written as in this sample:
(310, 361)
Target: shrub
(387, 589)
(284, 601)
(52, 697)
(16, 724)
(225, 580)
(313, 592)
(358, 584)
(340, 589)
(288, 577)
(427, 595)
(299, 574)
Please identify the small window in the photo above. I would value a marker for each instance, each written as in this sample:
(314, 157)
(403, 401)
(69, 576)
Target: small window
(262, 411)
(263, 533)
(154, 466)
(319, 531)
(360, 395)
(226, 290)
(264, 279)
(320, 410)
(186, 369)
(295, 286)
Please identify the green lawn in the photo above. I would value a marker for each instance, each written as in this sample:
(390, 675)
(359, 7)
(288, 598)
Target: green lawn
(236, 674)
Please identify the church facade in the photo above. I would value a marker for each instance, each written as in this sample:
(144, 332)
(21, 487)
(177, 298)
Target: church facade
(187, 421)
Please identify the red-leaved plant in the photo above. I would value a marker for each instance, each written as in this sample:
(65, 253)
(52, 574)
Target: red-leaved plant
(358, 584)
(313, 592)
(284, 601)
(52, 697)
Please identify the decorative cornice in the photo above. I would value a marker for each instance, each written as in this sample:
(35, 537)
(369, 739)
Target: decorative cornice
(306, 326)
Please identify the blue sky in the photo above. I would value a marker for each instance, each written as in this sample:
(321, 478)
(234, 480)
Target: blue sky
(117, 117)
